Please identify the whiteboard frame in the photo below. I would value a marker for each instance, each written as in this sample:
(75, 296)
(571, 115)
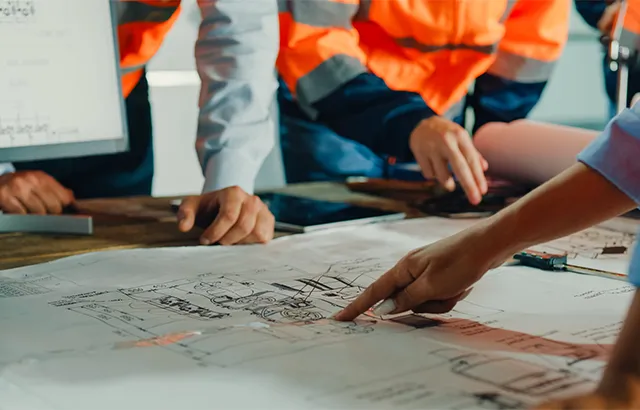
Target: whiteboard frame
(85, 148)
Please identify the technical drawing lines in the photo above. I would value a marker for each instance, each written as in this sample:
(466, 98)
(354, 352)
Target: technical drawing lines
(16, 289)
(511, 374)
(594, 243)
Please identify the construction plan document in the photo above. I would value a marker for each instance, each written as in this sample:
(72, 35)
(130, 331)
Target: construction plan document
(248, 327)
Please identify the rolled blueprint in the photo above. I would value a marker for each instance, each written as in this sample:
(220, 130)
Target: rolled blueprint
(530, 152)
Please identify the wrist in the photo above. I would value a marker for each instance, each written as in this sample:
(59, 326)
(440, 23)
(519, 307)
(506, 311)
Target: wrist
(400, 129)
(502, 236)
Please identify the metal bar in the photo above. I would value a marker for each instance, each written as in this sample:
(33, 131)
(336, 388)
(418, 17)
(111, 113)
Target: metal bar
(56, 224)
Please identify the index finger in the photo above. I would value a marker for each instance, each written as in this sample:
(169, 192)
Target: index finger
(394, 279)
(465, 177)
(476, 163)
(228, 214)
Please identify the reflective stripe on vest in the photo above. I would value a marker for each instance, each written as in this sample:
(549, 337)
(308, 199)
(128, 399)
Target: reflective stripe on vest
(326, 43)
(630, 35)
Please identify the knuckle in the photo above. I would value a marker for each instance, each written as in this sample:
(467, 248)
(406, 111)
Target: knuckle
(263, 236)
(245, 226)
(255, 203)
(228, 215)
(235, 190)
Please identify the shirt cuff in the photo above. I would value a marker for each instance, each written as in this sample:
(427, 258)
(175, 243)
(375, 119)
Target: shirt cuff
(231, 167)
(634, 266)
(615, 152)
(6, 168)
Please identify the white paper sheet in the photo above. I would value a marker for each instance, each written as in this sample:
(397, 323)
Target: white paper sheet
(246, 327)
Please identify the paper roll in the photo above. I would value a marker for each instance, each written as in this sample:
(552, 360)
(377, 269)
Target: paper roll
(528, 151)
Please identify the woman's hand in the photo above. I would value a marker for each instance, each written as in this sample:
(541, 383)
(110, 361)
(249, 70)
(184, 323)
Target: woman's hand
(434, 278)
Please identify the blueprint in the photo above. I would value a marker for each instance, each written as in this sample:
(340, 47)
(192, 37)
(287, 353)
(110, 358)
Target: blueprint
(250, 327)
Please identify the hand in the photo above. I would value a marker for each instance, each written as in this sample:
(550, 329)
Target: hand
(437, 142)
(434, 278)
(241, 218)
(624, 393)
(33, 192)
(605, 24)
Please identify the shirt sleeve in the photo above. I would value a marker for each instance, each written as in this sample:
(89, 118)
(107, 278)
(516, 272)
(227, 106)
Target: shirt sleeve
(6, 168)
(615, 152)
(235, 55)
(634, 266)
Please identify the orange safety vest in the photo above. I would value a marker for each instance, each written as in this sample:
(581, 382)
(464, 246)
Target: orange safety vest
(630, 36)
(142, 27)
(436, 48)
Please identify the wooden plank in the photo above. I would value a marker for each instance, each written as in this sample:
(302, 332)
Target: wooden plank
(144, 222)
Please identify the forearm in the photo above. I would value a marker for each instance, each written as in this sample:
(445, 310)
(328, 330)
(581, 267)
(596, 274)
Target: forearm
(602, 185)
(235, 55)
(574, 200)
(366, 110)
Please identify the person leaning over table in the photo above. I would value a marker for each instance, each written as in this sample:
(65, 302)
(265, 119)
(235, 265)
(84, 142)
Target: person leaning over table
(603, 184)
(366, 85)
(235, 57)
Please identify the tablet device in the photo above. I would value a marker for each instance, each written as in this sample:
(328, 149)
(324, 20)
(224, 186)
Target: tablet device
(297, 214)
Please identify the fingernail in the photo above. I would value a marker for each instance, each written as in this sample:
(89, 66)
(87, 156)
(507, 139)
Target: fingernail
(384, 308)
(466, 293)
(335, 314)
(205, 241)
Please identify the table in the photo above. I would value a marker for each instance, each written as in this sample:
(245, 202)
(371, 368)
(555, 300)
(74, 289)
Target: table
(145, 222)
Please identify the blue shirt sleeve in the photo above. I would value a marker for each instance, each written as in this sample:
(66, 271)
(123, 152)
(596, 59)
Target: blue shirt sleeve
(634, 266)
(366, 110)
(591, 10)
(497, 99)
(615, 154)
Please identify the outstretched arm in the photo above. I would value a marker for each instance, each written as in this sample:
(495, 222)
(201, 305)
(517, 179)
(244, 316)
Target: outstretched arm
(603, 185)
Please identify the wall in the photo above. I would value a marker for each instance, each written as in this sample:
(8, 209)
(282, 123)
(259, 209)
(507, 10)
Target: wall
(575, 96)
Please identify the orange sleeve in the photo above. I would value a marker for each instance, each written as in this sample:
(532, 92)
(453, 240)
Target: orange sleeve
(536, 32)
(630, 35)
(319, 49)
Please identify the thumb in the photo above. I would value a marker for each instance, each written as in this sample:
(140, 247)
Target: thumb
(187, 213)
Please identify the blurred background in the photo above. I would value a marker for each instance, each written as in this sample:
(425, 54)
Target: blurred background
(575, 96)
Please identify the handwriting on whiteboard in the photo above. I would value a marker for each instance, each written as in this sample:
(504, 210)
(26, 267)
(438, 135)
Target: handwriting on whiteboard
(17, 11)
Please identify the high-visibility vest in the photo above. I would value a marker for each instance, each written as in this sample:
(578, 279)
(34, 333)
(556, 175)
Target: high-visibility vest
(436, 48)
(142, 27)
(630, 36)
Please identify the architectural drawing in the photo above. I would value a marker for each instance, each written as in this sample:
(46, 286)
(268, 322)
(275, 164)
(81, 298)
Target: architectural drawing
(510, 374)
(593, 243)
(33, 286)
(293, 311)
(235, 319)
(491, 382)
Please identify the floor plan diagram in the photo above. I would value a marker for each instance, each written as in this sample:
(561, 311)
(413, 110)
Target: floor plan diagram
(261, 317)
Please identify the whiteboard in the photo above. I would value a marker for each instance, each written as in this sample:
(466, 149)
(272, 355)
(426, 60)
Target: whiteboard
(60, 90)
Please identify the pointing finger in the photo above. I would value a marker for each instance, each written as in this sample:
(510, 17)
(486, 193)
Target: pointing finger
(396, 278)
